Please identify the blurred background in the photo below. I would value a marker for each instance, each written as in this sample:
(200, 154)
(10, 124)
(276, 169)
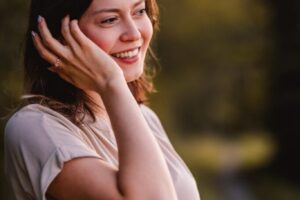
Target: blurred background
(228, 91)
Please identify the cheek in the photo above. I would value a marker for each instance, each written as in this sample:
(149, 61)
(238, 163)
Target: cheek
(101, 38)
(147, 31)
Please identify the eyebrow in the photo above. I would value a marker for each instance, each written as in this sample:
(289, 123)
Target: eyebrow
(115, 9)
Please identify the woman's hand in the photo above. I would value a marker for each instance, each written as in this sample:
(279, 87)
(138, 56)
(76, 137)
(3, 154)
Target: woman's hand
(79, 60)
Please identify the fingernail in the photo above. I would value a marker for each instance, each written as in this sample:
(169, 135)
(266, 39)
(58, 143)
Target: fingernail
(33, 34)
(40, 19)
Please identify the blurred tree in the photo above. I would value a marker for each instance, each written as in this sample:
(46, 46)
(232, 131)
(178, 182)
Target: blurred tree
(215, 65)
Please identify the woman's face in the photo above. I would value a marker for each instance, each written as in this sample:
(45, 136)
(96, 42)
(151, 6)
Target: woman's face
(122, 29)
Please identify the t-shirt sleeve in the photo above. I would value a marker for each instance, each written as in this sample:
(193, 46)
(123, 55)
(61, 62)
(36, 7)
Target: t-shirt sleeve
(36, 147)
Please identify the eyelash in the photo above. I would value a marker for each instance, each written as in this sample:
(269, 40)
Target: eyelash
(142, 11)
(113, 19)
(109, 20)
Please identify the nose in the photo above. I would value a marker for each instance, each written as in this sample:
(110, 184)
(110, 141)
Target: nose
(131, 31)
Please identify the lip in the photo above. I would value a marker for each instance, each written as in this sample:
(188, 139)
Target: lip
(128, 60)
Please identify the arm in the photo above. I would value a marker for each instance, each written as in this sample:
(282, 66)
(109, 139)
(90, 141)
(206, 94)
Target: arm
(142, 172)
(142, 167)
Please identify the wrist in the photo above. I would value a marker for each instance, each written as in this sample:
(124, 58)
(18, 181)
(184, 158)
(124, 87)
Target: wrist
(113, 84)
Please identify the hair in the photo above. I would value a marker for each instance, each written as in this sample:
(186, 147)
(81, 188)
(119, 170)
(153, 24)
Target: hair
(48, 88)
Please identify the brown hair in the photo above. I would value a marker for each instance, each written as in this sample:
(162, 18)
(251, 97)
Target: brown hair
(48, 88)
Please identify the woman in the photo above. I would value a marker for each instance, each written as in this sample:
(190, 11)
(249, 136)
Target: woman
(84, 132)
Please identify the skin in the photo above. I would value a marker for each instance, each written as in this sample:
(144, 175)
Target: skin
(118, 31)
(87, 62)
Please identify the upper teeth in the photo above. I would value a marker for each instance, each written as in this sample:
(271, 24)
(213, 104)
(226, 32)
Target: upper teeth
(127, 54)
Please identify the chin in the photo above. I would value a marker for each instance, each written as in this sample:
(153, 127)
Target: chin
(133, 75)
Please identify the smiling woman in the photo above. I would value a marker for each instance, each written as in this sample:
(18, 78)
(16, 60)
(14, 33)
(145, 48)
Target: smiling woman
(83, 131)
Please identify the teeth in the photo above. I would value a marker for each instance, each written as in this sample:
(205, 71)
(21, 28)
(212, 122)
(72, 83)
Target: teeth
(127, 54)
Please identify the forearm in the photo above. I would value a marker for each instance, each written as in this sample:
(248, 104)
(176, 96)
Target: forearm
(142, 169)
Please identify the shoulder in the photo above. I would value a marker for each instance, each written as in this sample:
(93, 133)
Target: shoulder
(34, 123)
(32, 113)
(38, 141)
(152, 119)
(148, 112)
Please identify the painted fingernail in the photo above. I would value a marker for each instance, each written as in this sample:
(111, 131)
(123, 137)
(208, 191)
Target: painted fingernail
(40, 19)
(33, 34)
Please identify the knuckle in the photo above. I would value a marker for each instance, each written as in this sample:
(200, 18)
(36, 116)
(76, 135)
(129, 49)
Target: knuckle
(73, 31)
(47, 42)
(73, 26)
(64, 29)
(77, 57)
(85, 48)
(69, 56)
(43, 53)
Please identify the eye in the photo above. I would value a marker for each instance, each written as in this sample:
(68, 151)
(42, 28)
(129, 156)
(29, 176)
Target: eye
(141, 12)
(109, 20)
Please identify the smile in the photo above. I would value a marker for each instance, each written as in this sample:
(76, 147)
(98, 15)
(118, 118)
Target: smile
(127, 54)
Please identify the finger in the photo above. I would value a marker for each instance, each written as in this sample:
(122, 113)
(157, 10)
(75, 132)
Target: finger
(55, 69)
(60, 73)
(48, 40)
(44, 52)
(64, 76)
(78, 34)
(65, 31)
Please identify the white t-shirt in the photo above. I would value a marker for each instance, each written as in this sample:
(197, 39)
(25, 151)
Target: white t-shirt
(38, 140)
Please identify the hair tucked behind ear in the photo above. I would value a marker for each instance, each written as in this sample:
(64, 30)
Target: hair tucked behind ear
(49, 89)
